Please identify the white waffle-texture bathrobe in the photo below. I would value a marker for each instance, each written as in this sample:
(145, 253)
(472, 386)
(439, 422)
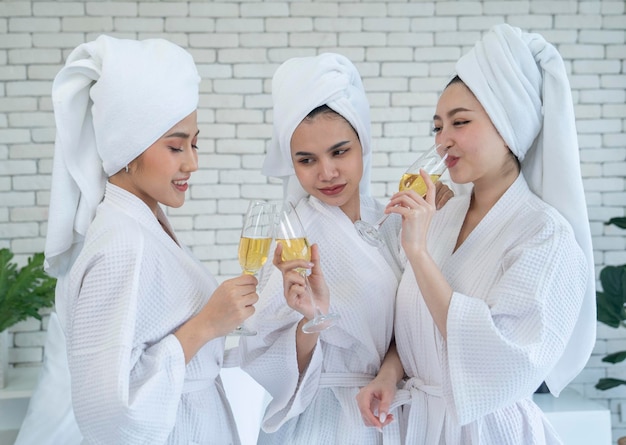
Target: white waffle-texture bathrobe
(523, 304)
(319, 406)
(518, 281)
(130, 288)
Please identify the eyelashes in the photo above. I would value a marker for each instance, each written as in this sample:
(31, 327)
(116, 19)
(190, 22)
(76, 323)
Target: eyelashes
(436, 129)
(181, 149)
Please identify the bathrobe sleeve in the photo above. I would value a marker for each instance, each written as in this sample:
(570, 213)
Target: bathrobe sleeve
(500, 348)
(122, 392)
(362, 284)
(270, 357)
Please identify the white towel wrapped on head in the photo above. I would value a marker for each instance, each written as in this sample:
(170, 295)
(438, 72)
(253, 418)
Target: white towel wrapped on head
(521, 82)
(112, 100)
(302, 84)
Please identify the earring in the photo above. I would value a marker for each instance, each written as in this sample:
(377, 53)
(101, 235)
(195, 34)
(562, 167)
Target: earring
(126, 168)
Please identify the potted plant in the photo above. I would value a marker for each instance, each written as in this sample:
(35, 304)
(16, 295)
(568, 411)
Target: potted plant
(22, 293)
(611, 307)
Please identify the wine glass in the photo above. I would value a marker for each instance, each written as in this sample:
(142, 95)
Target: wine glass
(290, 234)
(430, 161)
(254, 244)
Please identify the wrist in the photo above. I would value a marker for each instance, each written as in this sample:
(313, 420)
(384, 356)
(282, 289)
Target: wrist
(389, 375)
(418, 255)
(194, 334)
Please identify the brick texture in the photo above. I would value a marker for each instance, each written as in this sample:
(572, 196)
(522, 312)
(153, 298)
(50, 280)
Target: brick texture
(404, 50)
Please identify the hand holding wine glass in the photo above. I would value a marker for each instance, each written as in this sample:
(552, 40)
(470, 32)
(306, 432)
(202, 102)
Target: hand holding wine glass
(294, 245)
(432, 161)
(416, 212)
(254, 244)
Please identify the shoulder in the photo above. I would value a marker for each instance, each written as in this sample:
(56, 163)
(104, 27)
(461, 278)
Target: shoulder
(112, 237)
(536, 213)
(113, 225)
(540, 233)
(531, 211)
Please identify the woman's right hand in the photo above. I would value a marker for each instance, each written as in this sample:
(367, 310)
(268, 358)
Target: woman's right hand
(416, 212)
(231, 303)
(374, 401)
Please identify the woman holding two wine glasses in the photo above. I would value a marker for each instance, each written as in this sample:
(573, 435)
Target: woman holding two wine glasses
(321, 148)
(261, 223)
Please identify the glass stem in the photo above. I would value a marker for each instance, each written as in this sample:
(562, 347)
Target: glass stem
(381, 221)
(317, 312)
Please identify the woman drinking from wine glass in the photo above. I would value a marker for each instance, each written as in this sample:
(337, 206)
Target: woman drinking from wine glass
(499, 295)
(321, 147)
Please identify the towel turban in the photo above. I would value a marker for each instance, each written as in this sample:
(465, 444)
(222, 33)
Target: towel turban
(302, 84)
(112, 100)
(520, 80)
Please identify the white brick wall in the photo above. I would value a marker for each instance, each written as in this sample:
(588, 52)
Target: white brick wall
(404, 51)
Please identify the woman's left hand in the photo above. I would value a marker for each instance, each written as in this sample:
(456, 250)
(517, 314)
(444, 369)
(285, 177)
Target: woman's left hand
(442, 195)
(295, 286)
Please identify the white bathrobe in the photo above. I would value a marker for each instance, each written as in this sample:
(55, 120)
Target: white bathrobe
(518, 282)
(319, 406)
(131, 287)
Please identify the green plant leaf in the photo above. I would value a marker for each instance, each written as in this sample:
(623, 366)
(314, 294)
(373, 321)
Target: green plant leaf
(610, 303)
(608, 383)
(611, 306)
(615, 357)
(7, 273)
(613, 279)
(23, 292)
(609, 310)
(619, 222)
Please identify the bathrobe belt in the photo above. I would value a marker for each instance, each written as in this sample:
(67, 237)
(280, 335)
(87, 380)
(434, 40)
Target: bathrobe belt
(425, 420)
(391, 433)
(195, 385)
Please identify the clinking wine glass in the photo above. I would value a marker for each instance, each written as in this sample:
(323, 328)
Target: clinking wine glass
(290, 234)
(433, 163)
(254, 244)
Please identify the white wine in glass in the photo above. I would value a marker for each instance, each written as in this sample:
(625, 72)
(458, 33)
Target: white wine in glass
(432, 162)
(255, 242)
(253, 253)
(290, 234)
